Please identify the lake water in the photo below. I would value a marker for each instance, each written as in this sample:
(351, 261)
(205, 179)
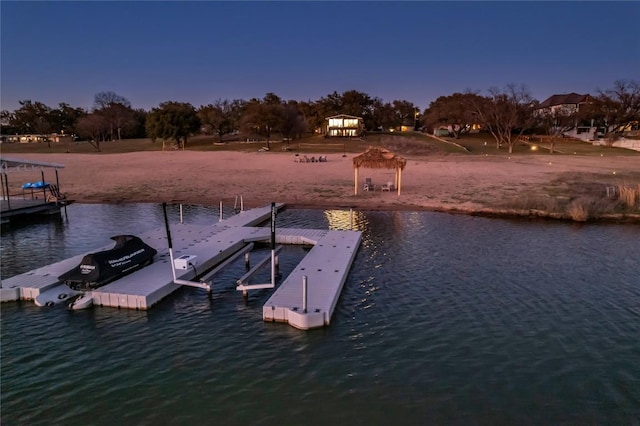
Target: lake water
(444, 319)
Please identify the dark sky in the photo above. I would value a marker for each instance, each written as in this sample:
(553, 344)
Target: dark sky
(200, 51)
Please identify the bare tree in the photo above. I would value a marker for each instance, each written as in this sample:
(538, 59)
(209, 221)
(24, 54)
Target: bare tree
(506, 113)
(116, 110)
(616, 108)
(556, 122)
(94, 127)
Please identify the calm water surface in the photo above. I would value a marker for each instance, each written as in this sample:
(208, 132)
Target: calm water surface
(443, 319)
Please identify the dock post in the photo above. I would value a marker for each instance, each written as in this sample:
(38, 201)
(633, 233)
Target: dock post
(181, 213)
(351, 218)
(220, 211)
(44, 188)
(241, 204)
(247, 262)
(274, 212)
(304, 294)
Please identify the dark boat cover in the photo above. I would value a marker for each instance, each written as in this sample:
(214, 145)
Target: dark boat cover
(96, 269)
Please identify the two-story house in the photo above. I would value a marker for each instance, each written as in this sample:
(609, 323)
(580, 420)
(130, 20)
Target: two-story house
(343, 125)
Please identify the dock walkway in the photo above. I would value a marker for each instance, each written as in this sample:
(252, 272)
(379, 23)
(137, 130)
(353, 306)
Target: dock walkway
(326, 267)
(146, 287)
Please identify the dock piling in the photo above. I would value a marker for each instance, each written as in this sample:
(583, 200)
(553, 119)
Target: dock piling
(351, 218)
(304, 294)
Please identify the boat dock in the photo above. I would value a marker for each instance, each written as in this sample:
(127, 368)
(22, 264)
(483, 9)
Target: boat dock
(308, 296)
(325, 266)
(24, 209)
(31, 201)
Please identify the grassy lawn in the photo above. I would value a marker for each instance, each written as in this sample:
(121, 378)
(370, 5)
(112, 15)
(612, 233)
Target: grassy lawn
(536, 145)
(408, 144)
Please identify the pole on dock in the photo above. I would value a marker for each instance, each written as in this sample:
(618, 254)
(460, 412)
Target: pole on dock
(5, 188)
(180, 213)
(351, 218)
(166, 225)
(241, 204)
(273, 243)
(304, 294)
(247, 261)
(220, 211)
(58, 186)
(44, 187)
(204, 285)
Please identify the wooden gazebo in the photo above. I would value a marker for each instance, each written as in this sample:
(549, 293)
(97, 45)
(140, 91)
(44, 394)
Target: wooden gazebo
(379, 158)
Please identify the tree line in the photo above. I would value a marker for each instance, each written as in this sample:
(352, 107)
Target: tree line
(504, 113)
(113, 118)
(510, 112)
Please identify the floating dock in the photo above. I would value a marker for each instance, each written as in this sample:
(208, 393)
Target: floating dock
(308, 296)
(325, 267)
(25, 209)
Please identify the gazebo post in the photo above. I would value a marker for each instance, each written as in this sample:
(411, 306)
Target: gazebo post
(399, 181)
(356, 180)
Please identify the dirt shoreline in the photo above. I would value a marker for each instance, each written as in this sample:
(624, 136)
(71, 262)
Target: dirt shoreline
(452, 183)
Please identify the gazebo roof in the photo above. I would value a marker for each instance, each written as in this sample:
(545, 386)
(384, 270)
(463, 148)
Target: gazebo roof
(379, 158)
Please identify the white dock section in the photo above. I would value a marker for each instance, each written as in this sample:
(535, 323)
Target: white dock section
(326, 267)
(30, 284)
(145, 287)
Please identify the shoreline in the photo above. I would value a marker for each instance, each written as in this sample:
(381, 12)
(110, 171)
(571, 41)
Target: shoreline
(622, 218)
(471, 185)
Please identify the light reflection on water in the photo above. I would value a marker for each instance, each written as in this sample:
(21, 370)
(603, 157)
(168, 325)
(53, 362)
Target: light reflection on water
(447, 319)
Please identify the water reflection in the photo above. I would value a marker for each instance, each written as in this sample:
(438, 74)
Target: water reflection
(443, 319)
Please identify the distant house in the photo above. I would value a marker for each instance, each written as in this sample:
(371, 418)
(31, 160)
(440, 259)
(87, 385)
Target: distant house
(33, 138)
(343, 125)
(407, 126)
(567, 103)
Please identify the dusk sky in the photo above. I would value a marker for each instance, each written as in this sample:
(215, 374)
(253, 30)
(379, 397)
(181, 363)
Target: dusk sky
(197, 52)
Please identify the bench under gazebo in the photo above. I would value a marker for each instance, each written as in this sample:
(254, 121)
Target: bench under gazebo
(379, 158)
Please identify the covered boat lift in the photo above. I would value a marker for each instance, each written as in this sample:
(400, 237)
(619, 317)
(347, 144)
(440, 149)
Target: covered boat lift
(25, 204)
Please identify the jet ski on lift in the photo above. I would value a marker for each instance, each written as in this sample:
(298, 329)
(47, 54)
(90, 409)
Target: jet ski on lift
(97, 269)
(129, 254)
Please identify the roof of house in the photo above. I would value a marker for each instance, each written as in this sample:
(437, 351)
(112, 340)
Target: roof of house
(569, 98)
(343, 116)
